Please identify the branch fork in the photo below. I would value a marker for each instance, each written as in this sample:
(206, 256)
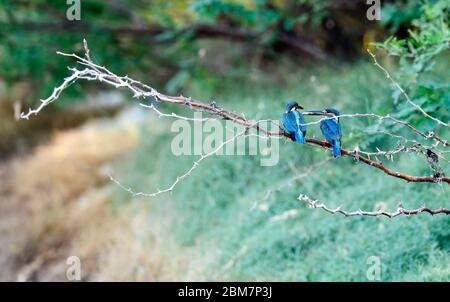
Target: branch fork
(94, 72)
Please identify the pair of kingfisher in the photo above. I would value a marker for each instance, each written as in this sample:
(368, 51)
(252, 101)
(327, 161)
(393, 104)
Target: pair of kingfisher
(294, 123)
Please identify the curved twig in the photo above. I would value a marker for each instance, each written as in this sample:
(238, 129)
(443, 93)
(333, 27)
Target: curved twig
(96, 72)
(400, 210)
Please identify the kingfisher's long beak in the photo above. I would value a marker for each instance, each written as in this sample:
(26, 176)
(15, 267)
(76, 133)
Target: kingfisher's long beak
(314, 112)
(299, 107)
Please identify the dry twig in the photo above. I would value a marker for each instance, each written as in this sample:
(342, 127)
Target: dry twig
(94, 72)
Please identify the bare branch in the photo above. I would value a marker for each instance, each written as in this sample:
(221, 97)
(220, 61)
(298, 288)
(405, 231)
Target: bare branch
(76, 74)
(400, 210)
(96, 72)
(172, 114)
(170, 188)
(403, 92)
(430, 135)
(290, 181)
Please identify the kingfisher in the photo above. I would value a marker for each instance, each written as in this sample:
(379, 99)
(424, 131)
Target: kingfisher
(331, 128)
(294, 122)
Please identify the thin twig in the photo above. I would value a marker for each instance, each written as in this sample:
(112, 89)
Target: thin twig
(94, 72)
(403, 92)
(400, 210)
(184, 175)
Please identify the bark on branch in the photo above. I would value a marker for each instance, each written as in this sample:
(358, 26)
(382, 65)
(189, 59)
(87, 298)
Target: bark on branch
(94, 72)
(314, 204)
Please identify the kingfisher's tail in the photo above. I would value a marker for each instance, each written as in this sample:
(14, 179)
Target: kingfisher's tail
(336, 148)
(299, 138)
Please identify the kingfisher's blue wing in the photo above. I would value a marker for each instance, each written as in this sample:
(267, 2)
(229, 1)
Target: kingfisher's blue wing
(339, 130)
(293, 122)
(289, 122)
(300, 120)
(331, 130)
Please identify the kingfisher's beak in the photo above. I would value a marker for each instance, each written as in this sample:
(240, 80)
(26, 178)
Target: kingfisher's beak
(298, 107)
(314, 112)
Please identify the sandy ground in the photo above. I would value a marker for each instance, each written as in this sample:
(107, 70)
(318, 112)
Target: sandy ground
(10, 216)
(59, 192)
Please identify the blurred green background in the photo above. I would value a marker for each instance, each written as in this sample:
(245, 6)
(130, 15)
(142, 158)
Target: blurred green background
(250, 56)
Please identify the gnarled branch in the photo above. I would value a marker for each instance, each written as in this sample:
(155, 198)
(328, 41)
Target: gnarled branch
(400, 210)
(94, 72)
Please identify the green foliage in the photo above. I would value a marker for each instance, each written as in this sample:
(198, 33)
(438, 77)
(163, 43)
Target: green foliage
(262, 14)
(220, 213)
(427, 42)
(399, 14)
(27, 51)
(221, 217)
